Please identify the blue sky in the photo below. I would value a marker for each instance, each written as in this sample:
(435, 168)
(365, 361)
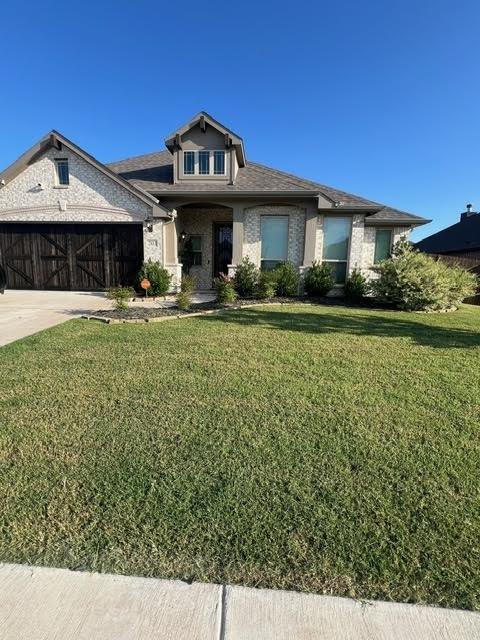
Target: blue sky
(378, 98)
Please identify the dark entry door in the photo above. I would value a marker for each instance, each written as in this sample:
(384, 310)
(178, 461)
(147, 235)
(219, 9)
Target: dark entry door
(85, 257)
(222, 247)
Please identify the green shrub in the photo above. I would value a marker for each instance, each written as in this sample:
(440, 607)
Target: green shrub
(225, 290)
(246, 278)
(187, 284)
(287, 279)
(416, 282)
(266, 286)
(356, 286)
(318, 280)
(120, 296)
(184, 300)
(159, 278)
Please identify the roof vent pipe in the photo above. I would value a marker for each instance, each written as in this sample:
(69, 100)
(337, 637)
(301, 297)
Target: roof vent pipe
(468, 212)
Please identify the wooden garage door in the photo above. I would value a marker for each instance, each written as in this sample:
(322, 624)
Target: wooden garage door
(78, 257)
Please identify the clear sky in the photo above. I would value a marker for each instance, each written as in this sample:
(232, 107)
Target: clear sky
(379, 98)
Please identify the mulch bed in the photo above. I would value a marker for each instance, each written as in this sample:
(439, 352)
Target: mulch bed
(145, 314)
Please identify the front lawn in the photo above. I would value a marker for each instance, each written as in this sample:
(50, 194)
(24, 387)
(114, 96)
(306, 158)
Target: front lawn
(312, 448)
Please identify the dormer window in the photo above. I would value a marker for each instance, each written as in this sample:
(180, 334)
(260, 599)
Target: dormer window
(204, 163)
(189, 163)
(219, 163)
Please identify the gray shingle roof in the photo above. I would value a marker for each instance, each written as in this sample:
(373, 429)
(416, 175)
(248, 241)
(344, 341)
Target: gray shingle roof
(153, 172)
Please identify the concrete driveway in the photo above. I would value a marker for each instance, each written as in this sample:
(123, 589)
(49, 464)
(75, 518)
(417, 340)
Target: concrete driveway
(25, 312)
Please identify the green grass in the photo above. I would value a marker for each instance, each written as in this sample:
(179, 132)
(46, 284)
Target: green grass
(312, 448)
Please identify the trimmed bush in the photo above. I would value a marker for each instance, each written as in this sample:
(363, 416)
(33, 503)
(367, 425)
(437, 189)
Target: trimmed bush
(159, 278)
(266, 286)
(184, 300)
(414, 281)
(120, 296)
(187, 284)
(318, 280)
(287, 280)
(225, 290)
(356, 286)
(246, 278)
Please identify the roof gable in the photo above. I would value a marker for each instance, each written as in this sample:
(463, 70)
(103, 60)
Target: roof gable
(204, 120)
(56, 140)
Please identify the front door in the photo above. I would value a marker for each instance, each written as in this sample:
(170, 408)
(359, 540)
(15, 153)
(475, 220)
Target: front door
(222, 247)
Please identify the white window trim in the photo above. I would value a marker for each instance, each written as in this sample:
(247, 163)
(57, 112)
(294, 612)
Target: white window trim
(196, 162)
(57, 184)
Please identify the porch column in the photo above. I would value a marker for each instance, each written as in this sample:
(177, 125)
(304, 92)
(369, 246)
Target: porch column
(171, 252)
(310, 234)
(237, 239)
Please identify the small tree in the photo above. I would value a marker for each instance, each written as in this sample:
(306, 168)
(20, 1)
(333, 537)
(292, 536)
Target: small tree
(318, 280)
(225, 290)
(356, 286)
(267, 286)
(120, 296)
(287, 279)
(246, 278)
(187, 284)
(158, 276)
(416, 282)
(184, 300)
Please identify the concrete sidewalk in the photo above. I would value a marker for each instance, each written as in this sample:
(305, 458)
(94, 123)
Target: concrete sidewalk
(45, 604)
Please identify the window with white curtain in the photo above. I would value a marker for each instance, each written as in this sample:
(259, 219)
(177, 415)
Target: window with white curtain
(336, 242)
(274, 239)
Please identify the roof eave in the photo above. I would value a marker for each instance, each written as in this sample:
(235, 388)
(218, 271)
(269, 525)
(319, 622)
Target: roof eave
(236, 194)
(401, 222)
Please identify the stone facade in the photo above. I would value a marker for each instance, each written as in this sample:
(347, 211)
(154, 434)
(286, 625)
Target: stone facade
(199, 222)
(296, 231)
(91, 195)
(153, 241)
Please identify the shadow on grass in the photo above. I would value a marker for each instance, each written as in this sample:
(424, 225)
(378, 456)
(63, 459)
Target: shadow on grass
(393, 326)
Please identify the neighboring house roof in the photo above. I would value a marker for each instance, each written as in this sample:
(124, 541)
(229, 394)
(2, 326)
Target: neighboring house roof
(56, 139)
(153, 172)
(461, 236)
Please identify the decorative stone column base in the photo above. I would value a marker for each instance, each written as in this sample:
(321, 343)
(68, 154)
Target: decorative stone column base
(176, 271)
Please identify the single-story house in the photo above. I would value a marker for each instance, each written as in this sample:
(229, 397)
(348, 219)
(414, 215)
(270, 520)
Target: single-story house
(68, 221)
(459, 243)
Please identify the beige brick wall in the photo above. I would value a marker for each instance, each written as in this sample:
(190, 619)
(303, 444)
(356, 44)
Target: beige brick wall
(296, 231)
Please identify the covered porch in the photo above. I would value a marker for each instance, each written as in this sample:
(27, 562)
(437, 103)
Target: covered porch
(210, 237)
